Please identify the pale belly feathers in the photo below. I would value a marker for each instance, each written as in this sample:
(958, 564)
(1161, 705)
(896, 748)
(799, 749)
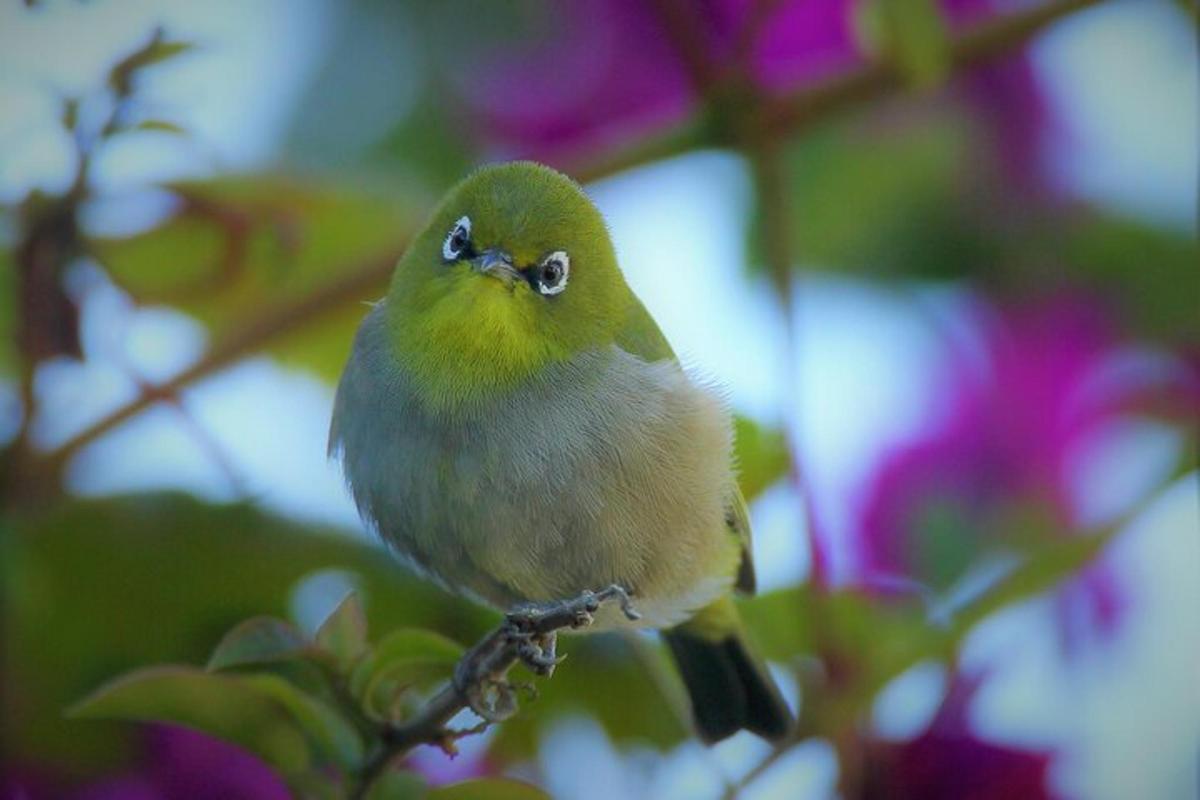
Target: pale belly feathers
(605, 469)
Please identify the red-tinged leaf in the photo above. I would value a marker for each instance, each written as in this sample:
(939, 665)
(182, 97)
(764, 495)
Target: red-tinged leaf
(344, 633)
(261, 640)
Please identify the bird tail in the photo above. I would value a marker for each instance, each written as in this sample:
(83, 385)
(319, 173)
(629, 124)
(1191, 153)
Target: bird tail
(727, 682)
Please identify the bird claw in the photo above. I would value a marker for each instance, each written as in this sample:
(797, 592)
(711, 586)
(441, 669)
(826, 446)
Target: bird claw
(538, 654)
(576, 613)
(494, 700)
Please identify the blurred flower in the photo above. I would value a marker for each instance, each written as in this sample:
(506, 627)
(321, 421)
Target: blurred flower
(182, 764)
(949, 762)
(605, 70)
(997, 464)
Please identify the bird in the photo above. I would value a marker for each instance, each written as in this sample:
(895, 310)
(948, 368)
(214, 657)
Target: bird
(513, 424)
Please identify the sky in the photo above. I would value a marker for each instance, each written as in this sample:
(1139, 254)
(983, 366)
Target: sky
(861, 373)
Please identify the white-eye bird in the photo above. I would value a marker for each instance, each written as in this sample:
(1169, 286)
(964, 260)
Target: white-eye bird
(513, 423)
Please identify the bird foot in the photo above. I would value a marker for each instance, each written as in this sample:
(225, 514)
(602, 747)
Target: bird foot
(542, 618)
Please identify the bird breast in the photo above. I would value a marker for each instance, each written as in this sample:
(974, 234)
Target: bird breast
(602, 469)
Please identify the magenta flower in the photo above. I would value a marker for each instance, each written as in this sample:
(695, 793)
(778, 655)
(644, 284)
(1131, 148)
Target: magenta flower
(182, 764)
(601, 71)
(999, 462)
(950, 762)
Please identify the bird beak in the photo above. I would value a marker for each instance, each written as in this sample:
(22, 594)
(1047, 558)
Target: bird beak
(498, 264)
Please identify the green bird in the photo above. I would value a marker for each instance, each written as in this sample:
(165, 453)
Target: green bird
(513, 423)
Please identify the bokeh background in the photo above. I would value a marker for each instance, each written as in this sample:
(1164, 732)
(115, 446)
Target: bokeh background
(941, 257)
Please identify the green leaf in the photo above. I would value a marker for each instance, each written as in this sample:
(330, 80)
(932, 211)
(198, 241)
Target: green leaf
(118, 594)
(912, 33)
(344, 633)
(397, 785)
(70, 113)
(10, 357)
(1149, 271)
(298, 256)
(155, 51)
(403, 659)
(488, 789)
(221, 705)
(618, 683)
(780, 623)
(1045, 566)
(333, 737)
(761, 454)
(260, 640)
(160, 126)
(906, 184)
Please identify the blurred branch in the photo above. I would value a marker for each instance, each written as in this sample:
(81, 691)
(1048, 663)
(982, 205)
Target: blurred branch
(682, 25)
(787, 115)
(265, 327)
(526, 635)
(773, 120)
(982, 43)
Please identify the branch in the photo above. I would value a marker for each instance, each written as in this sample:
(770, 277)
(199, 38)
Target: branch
(527, 635)
(979, 44)
(354, 285)
(787, 115)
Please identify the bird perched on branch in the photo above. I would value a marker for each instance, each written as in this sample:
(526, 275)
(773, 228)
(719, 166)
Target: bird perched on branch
(513, 423)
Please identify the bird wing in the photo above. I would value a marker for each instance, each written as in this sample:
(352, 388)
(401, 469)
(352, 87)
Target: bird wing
(641, 336)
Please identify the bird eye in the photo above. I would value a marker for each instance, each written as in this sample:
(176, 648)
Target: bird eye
(458, 240)
(551, 277)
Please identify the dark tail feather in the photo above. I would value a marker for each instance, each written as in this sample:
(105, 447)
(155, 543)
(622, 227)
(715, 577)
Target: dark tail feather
(729, 687)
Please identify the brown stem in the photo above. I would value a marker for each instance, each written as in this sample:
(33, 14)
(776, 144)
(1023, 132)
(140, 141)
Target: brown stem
(268, 325)
(482, 669)
(975, 46)
(682, 26)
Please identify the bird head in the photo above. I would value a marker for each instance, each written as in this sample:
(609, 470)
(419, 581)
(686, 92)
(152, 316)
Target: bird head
(514, 271)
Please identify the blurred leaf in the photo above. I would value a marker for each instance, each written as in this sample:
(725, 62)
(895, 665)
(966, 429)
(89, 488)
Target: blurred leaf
(119, 592)
(1149, 271)
(761, 455)
(70, 113)
(333, 737)
(882, 200)
(259, 640)
(429, 143)
(155, 51)
(242, 249)
(344, 633)
(221, 705)
(780, 623)
(1045, 566)
(9, 356)
(403, 659)
(488, 789)
(160, 126)
(397, 785)
(604, 677)
(913, 33)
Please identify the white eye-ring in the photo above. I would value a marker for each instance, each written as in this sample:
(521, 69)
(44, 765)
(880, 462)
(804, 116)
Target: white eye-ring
(458, 240)
(553, 272)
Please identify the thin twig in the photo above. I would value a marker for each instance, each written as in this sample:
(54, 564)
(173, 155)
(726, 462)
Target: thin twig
(787, 115)
(479, 681)
(978, 44)
(975, 46)
(265, 327)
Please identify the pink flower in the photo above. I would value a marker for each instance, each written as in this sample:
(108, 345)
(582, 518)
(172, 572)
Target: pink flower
(998, 462)
(183, 764)
(950, 762)
(602, 71)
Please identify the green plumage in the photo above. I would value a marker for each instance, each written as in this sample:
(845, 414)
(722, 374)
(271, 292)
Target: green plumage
(523, 434)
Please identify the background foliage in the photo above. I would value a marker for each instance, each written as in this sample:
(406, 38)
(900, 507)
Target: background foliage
(906, 148)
